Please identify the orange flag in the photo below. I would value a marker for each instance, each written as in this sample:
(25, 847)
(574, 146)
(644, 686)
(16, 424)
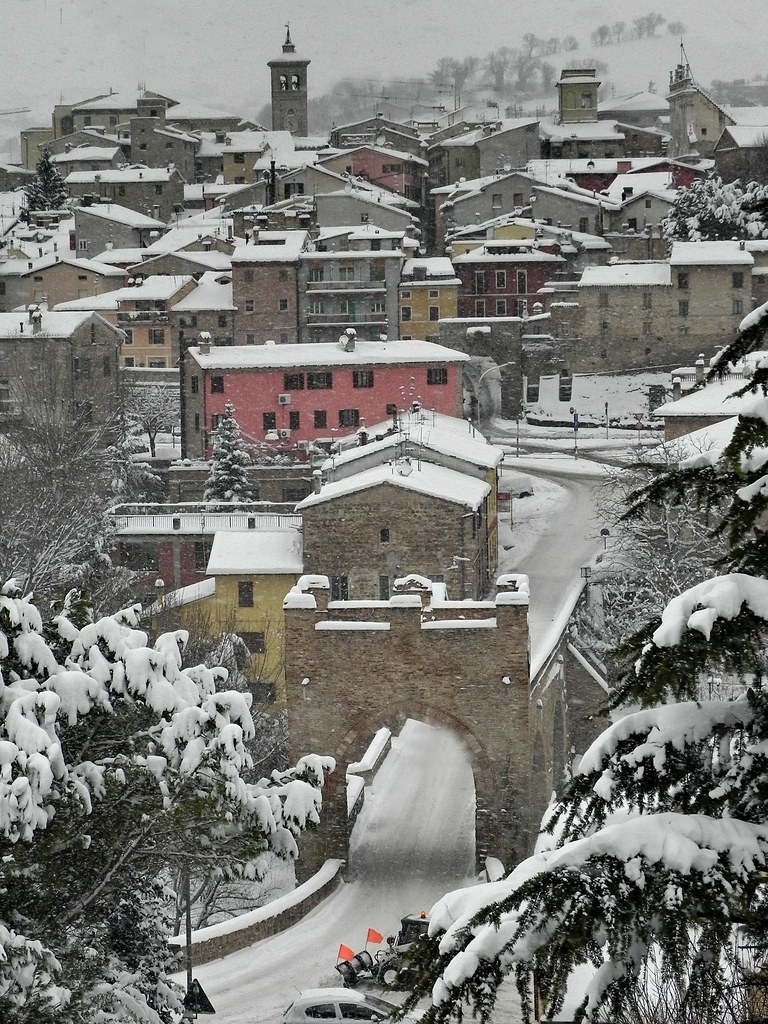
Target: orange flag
(374, 936)
(345, 953)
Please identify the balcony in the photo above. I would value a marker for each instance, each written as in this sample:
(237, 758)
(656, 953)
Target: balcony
(201, 522)
(143, 316)
(346, 286)
(344, 319)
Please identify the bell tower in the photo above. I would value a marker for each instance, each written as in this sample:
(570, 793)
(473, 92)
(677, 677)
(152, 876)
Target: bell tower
(289, 89)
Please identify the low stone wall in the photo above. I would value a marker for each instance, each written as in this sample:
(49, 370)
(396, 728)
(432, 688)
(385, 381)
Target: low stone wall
(220, 940)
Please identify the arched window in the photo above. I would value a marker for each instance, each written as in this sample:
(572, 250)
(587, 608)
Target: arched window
(283, 82)
(294, 82)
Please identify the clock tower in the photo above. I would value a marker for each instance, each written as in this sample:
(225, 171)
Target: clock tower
(289, 89)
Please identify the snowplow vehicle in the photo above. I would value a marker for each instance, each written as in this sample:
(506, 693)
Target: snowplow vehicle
(387, 967)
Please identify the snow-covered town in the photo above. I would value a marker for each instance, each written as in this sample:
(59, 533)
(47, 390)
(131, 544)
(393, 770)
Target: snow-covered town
(384, 513)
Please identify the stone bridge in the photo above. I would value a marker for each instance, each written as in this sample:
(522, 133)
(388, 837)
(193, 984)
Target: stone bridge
(355, 667)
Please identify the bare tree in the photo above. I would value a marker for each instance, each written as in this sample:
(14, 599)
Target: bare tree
(152, 409)
(498, 63)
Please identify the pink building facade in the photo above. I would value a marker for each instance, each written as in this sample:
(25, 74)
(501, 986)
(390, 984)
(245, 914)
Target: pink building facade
(291, 395)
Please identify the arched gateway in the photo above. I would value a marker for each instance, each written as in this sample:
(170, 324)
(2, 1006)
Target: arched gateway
(353, 667)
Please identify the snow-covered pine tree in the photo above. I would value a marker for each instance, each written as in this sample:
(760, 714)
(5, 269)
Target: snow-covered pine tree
(47, 191)
(228, 479)
(713, 210)
(118, 767)
(651, 870)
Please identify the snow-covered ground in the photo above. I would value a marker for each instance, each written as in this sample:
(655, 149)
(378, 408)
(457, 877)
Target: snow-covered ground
(413, 841)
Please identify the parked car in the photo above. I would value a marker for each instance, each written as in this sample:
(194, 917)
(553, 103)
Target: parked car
(341, 1004)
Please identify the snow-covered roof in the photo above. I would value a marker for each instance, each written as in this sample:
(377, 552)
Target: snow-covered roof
(20, 267)
(637, 274)
(749, 115)
(213, 260)
(53, 324)
(122, 175)
(424, 478)
(86, 153)
(748, 136)
(282, 246)
(716, 399)
(324, 354)
(582, 131)
(213, 291)
(710, 253)
(120, 215)
(432, 430)
(121, 256)
(158, 287)
(438, 270)
(637, 101)
(659, 182)
(256, 553)
(494, 252)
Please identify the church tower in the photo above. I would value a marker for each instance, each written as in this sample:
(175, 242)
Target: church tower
(289, 90)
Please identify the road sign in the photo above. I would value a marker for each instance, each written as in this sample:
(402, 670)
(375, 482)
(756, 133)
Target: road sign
(196, 1000)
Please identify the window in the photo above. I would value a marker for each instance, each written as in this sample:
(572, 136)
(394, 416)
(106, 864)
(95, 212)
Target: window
(317, 307)
(647, 300)
(648, 204)
(106, 365)
(294, 420)
(269, 421)
(255, 642)
(378, 272)
(349, 417)
(216, 420)
(375, 245)
(437, 375)
(384, 535)
(405, 295)
(82, 244)
(156, 336)
(434, 313)
(501, 279)
(346, 273)
(129, 361)
(202, 554)
(339, 588)
(479, 307)
(522, 282)
(647, 327)
(293, 381)
(217, 385)
(222, 319)
(737, 279)
(362, 379)
(249, 305)
(245, 594)
(586, 100)
(604, 326)
(248, 277)
(480, 282)
(197, 417)
(378, 307)
(496, 201)
(250, 339)
(501, 307)
(602, 299)
(128, 336)
(82, 367)
(363, 218)
(321, 419)
(682, 280)
(738, 306)
(283, 305)
(682, 307)
(239, 158)
(315, 273)
(584, 225)
(405, 314)
(383, 588)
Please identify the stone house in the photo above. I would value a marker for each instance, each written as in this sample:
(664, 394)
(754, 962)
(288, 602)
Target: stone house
(490, 149)
(104, 226)
(349, 278)
(54, 278)
(360, 205)
(377, 131)
(660, 313)
(265, 287)
(207, 307)
(155, 191)
(369, 525)
(141, 311)
(68, 361)
(429, 291)
(479, 200)
(307, 393)
(99, 157)
(742, 152)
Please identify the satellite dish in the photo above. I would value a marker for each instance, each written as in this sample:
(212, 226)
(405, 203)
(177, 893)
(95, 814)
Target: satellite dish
(507, 168)
(348, 187)
(381, 138)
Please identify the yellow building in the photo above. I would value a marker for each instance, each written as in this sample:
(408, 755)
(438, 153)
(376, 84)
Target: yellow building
(251, 572)
(429, 292)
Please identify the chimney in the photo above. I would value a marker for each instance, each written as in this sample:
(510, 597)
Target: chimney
(677, 389)
(37, 321)
(700, 369)
(31, 311)
(205, 343)
(317, 480)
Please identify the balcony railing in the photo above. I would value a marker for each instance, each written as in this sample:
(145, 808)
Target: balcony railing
(346, 286)
(203, 522)
(346, 318)
(142, 316)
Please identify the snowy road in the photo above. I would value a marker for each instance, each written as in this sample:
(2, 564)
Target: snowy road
(413, 841)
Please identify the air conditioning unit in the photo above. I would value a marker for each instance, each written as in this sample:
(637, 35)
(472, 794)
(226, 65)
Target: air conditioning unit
(303, 445)
(283, 399)
(284, 433)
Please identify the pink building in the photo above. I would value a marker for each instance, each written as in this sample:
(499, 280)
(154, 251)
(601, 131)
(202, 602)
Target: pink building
(294, 394)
